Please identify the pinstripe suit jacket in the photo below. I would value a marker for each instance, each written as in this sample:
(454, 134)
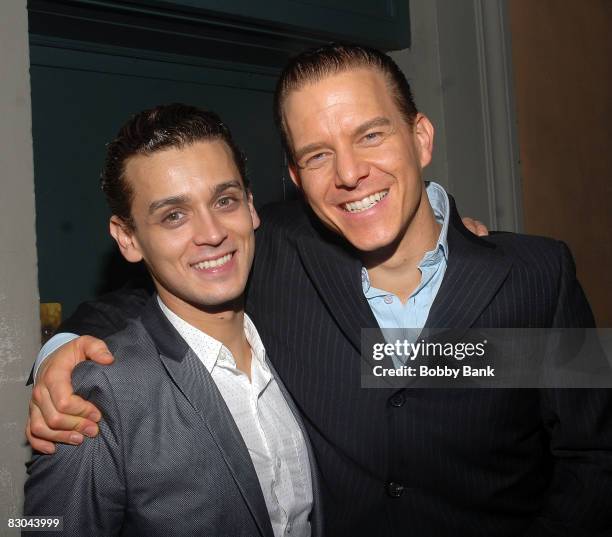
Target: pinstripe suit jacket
(491, 463)
(478, 462)
(169, 459)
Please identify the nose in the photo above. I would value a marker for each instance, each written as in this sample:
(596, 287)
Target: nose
(350, 168)
(208, 230)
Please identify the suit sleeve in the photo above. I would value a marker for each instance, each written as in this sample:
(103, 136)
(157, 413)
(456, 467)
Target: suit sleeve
(579, 422)
(104, 317)
(83, 484)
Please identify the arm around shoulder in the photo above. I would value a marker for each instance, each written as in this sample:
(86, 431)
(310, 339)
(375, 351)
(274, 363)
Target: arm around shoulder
(55, 413)
(84, 484)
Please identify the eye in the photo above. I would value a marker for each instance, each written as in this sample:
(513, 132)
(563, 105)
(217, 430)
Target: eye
(372, 137)
(226, 201)
(316, 160)
(174, 218)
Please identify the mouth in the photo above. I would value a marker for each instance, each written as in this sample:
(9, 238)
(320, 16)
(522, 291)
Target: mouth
(213, 263)
(366, 203)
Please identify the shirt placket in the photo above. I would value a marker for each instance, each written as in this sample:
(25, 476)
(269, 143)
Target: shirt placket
(262, 381)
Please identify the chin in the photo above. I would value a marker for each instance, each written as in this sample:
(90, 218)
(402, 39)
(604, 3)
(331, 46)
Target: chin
(371, 242)
(221, 297)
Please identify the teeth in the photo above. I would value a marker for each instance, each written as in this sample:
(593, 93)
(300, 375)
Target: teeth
(213, 263)
(365, 203)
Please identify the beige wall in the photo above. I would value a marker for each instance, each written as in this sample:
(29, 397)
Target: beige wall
(563, 70)
(19, 325)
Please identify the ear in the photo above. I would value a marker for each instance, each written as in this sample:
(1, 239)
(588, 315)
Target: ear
(423, 132)
(125, 238)
(254, 215)
(295, 175)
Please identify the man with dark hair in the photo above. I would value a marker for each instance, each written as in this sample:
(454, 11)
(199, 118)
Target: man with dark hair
(199, 436)
(154, 130)
(375, 246)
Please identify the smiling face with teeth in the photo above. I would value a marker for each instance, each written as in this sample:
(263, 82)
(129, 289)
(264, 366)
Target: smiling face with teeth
(193, 226)
(359, 162)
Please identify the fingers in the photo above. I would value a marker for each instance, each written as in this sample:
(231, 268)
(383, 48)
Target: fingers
(42, 438)
(475, 226)
(38, 444)
(56, 413)
(53, 390)
(481, 229)
(89, 347)
(57, 421)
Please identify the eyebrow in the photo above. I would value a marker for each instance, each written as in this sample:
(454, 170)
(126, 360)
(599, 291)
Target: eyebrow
(222, 187)
(371, 124)
(172, 200)
(310, 148)
(361, 129)
(182, 199)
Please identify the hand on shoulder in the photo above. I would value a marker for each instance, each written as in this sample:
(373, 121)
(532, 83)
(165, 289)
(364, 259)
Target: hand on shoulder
(56, 414)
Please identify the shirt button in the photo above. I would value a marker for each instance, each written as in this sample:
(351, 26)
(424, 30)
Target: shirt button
(278, 462)
(397, 400)
(395, 490)
(388, 299)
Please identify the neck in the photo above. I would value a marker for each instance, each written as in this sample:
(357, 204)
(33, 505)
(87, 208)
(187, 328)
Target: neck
(225, 323)
(394, 268)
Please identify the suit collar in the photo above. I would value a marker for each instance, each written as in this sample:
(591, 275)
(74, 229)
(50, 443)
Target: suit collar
(196, 384)
(167, 340)
(475, 271)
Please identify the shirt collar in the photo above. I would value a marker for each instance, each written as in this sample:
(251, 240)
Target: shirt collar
(440, 205)
(438, 199)
(207, 348)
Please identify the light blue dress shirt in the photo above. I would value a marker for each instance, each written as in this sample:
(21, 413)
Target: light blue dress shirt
(388, 309)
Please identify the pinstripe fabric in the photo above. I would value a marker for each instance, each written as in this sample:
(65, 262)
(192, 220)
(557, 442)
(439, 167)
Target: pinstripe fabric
(490, 463)
(169, 461)
(471, 462)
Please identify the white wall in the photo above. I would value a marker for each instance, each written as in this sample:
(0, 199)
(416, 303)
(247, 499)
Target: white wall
(19, 324)
(459, 67)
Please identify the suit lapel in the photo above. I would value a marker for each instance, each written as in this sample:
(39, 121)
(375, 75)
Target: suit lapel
(336, 274)
(476, 269)
(197, 385)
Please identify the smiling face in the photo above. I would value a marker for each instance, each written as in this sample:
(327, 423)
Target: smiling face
(193, 225)
(357, 160)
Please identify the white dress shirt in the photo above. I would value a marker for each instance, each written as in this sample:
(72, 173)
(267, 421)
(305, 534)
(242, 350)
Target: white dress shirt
(267, 424)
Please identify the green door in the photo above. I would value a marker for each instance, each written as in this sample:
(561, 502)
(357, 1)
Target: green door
(79, 100)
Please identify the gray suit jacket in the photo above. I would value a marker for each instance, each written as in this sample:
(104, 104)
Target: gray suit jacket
(169, 459)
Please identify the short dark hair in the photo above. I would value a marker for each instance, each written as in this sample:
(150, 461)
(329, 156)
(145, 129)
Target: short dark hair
(318, 63)
(162, 127)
